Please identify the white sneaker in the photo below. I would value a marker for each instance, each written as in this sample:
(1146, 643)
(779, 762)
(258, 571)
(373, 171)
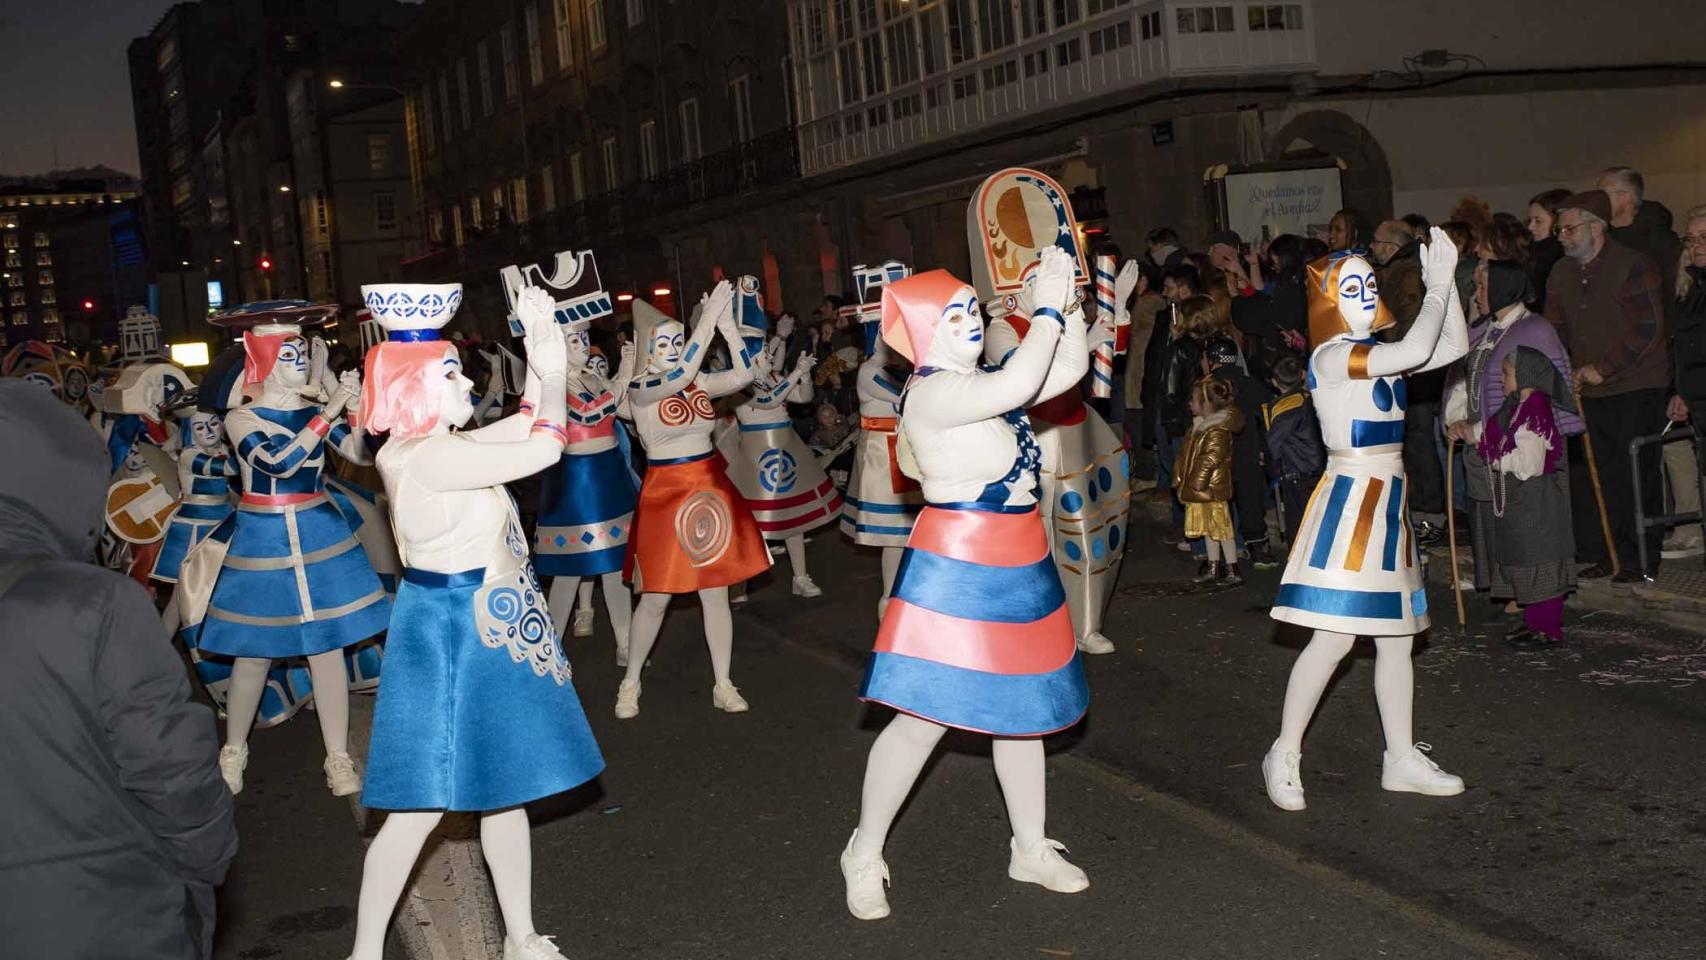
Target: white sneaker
(535, 947)
(1285, 783)
(1094, 643)
(1043, 864)
(726, 698)
(627, 699)
(341, 776)
(804, 587)
(583, 623)
(232, 761)
(1184, 546)
(866, 878)
(622, 651)
(1414, 772)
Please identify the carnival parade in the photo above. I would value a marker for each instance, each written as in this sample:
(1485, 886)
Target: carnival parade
(827, 478)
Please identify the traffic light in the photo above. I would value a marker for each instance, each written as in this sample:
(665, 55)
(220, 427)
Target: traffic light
(266, 264)
(88, 305)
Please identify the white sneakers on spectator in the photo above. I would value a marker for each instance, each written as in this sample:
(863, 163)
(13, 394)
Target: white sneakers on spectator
(583, 622)
(1094, 643)
(1284, 782)
(628, 700)
(805, 587)
(341, 776)
(1412, 771)
(1042, 864)
(726, 698)
(865, 877)
(535, 947)
(233, 758)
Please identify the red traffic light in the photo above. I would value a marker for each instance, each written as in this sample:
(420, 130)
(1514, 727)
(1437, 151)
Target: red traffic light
(266, 264)
(88, 306)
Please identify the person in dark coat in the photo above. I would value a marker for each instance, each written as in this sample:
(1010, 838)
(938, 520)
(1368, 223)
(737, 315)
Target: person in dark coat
(1276, 319)
(1688, 399)
(1544, 250)
(1295, 454)
(1397, 253)
(1249, 483)
(114, 824)
(1641, 224)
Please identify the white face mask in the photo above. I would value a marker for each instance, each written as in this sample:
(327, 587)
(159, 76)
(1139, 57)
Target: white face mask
(959, 336)
(456, 402)
(207, 431)
(1359, 295)
(667, 341)
(598, 366)
(291, 370)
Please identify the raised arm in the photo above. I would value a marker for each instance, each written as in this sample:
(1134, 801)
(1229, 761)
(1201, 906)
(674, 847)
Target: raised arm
(447, 462)
(277, 456)
(1071, 358)
(741, 371)
(1428, 344)
(706, 317)
(874, 384)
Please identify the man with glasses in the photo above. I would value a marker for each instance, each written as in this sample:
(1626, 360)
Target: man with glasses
(1606, 299)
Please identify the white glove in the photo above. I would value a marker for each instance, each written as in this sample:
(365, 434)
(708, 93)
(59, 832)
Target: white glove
(547, 351)
(804, 365)
(717, 307)
(1125, 282)
(1053, 287)
(1439, 262)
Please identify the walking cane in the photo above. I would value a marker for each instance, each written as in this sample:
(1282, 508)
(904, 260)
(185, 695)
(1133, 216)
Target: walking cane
(1598, 491)
(1451, 526)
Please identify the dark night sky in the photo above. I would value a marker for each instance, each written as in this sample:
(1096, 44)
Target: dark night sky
(67, 80)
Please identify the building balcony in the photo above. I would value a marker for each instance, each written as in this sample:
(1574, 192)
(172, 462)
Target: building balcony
(1125, 48)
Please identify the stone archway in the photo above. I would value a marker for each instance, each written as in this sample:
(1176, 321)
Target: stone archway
(1329, 133)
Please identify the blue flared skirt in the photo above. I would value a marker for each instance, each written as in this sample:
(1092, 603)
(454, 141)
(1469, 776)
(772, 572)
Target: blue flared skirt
(190, 525)
(295, 582)
(586, 506)
(460, 725)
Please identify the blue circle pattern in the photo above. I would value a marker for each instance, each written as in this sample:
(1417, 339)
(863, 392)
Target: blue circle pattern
(1401, 393)
(777, 470)
(1071, 502)
(1113, 537)
(1071, 550)
(1105, 478)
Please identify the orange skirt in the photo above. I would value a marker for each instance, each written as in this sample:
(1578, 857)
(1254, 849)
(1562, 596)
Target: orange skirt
(691, 531)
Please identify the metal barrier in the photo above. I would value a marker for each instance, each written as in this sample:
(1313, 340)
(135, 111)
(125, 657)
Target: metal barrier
(1643, 523)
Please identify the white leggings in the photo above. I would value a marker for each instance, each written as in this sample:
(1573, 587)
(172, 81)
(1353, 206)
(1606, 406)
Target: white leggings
(505, 840)
(648, 618)
(617, 601)
(899, 754)
(1394, 687)
(331, 698)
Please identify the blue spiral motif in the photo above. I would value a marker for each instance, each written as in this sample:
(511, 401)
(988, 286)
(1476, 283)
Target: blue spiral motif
(505, 604)
(777, 471)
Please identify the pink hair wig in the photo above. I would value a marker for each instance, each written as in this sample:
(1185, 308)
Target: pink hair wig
(400, 393)
(260, 353)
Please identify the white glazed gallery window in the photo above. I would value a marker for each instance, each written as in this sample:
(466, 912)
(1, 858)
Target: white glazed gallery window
(512, 74)
(535, 53)
(612, 163)
(565, 41)
(547, 189)
(691, 147)
(385, 212)
(636, 12)
(1096, 7)
(20, 319)
(577, 178)
(1216, 19)
(379, 153)
(595, 37)
(648, 149)
(740, 107)
(1275, 16)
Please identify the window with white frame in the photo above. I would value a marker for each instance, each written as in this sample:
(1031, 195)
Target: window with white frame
(995, 24)
(379, 153)
(518, 199)
(1096, 7)
(740, 107)
(962, 40)
(565, 40)
(595, 37)
(1275, 16)
(535, 54)
(483, 64)
(636, 12)
(1066, 12)
(691, 148)
(547, 189)
(577, 178)
(1216, 19)
(612, 163)
(512, 74)
(385, 212)
(500, 204)
(1110, 38)
(648, 149)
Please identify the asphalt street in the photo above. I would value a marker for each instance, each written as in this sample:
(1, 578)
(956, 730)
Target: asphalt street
(715, 836)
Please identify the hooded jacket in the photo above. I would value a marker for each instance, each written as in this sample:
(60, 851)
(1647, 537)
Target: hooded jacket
(114, 823)
(1203, 471)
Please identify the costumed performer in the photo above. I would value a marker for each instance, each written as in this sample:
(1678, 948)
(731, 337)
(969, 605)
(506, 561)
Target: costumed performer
(977, 636)
(1354, 570)
(778, 476)
(205, 475)
(692, 533)
(1086, 475)
(477, 711)
(285, 576)
(882, 502)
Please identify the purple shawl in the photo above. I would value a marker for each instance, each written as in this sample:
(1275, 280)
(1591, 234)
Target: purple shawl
(1535, 413)
(1527, 330)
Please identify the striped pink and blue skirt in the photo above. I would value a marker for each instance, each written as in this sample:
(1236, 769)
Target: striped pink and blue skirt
(977, 635)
